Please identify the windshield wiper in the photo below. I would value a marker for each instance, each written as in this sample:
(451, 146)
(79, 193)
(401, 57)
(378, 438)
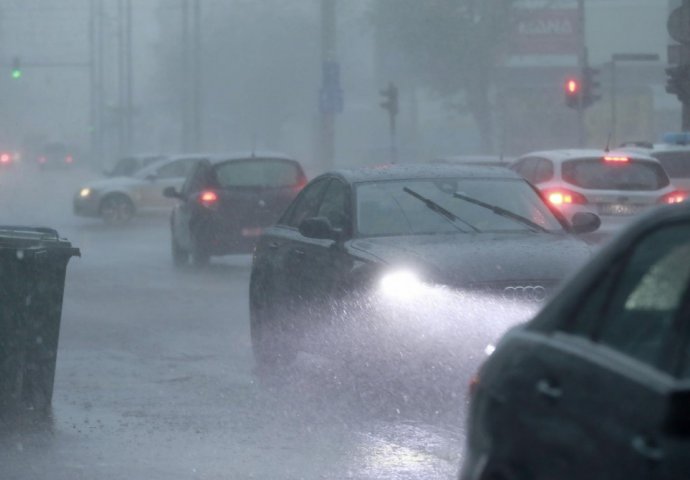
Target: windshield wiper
(435, 207)
(503, 212)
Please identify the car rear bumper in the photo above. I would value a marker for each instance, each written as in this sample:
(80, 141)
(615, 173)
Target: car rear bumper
(217, 240)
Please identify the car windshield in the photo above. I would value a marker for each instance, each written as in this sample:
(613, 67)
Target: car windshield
(676, 164)
(387, 209)
(258, 172)
(598, 174)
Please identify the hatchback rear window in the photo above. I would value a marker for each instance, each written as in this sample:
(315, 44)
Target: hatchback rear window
(676, 164)
(258, 172)
(596, 174)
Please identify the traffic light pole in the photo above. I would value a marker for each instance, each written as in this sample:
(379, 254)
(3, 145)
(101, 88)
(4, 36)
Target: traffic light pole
(582, 64)
(328, 54)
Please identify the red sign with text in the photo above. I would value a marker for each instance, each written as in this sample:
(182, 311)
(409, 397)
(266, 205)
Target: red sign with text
(547, 31)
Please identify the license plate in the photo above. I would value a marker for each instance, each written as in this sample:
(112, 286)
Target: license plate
(252, 232)
(619, 209)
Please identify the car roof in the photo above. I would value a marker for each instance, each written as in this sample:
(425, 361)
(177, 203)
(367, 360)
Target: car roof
(420, 171)
(571, 154)
(219, 158)
(474, 159)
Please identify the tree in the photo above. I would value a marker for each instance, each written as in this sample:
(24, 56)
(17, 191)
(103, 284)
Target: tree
(450, 47)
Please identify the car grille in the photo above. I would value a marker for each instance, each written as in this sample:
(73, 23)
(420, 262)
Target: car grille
(532, 291)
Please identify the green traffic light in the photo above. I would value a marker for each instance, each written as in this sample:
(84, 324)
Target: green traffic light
(16, 74)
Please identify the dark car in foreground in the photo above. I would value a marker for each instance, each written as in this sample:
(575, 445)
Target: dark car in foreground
(597, 385)
(226, 203)
(396, 229)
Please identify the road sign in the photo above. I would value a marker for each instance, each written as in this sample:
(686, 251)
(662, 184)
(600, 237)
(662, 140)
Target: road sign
(678, 24)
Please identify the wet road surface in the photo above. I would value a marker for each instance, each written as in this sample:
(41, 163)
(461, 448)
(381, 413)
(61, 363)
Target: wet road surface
(155, 377)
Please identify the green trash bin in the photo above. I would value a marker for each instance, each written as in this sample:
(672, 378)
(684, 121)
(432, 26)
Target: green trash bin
(33, 263)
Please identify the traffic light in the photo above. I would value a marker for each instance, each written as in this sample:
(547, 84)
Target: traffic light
(678, 82)
(573, 91)
(390, 99)
(16, 68)
(590, 86)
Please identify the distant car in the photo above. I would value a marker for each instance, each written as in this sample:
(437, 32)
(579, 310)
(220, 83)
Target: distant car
(56, 155)
(116, 200)
(128, 166)
(674, 158)
(7, 159)
(398, 229)
(474, 160)
(226, 202)
(597, 386)
(614, 185)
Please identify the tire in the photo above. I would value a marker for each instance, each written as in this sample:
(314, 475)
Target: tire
(180, 256)
(200, 257)
(116, 209)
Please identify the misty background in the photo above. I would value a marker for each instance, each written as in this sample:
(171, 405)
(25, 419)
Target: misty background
(114, 77)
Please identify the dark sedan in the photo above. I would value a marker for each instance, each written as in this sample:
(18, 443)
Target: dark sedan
(597, 386)
(392, 230)
(226, 202)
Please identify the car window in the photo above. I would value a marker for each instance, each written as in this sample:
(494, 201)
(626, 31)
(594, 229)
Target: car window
(306, 204)
(597, 174)
(544, 171)
(258, 172)
(176, 169)
(676, 164)
(385, 208)
(633, 308)
(527, 168)
(335, 205)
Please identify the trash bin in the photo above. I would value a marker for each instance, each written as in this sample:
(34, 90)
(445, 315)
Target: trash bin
(33, 262)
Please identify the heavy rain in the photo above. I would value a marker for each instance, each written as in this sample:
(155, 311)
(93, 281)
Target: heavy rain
(344, 239)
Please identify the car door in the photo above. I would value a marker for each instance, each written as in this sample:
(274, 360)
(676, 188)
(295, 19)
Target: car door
(325, 263)
(281, 249)
(596, 386)
(183, 211)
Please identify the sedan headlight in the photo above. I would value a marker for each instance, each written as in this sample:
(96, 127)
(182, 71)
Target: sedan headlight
(85, 192)
(401, 284)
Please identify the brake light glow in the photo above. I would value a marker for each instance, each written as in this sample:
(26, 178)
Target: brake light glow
(208, 198)
(674, 197)
(69, 159)
(616, 159)
(41, 159)
(5, 158)
(564, 197)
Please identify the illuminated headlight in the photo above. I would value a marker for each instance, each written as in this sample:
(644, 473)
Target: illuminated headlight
(401, 284)
(85, 192)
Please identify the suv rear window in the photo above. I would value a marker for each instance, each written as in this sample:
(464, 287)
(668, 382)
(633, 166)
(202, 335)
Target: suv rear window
(258, 172)
(596, 174)
(676, 164)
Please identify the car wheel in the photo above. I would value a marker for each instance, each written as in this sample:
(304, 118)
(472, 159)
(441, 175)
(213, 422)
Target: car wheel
(116, 209)
(180, 256)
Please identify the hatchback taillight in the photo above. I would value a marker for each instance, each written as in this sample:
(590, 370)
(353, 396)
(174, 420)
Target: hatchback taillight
(208, 198)
(562, 196)
(678, 196)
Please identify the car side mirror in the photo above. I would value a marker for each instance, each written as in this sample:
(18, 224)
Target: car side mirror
(677, 420)
(585, 222)
(170, 192)
(319, 228)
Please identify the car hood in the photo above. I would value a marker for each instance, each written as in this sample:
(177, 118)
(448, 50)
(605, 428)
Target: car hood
(482, 259)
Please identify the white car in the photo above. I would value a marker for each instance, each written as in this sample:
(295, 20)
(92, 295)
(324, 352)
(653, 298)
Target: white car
(116, 200)
(674, 158)
(614, 185)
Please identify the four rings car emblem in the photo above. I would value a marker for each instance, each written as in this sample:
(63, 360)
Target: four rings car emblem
(528, 293)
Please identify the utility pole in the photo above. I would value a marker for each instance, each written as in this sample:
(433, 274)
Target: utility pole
(185, 77)
(129, 87)
(330, 82)
(582, 63)
(197, 78)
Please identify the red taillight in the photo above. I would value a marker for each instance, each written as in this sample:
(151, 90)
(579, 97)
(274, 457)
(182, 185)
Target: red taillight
(616, 159)
(300, 185)
(41, 159)
(69, 159)
(5, 158)
(674, 197)
(208, 198)
(561, 196)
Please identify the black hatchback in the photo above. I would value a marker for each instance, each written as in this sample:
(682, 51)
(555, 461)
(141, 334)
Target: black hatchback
(227, 202)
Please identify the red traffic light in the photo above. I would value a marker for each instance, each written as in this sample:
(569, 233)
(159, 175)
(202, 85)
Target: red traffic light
(572, 86)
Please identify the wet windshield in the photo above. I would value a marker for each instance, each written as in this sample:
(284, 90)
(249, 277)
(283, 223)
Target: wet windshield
(384, 208)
